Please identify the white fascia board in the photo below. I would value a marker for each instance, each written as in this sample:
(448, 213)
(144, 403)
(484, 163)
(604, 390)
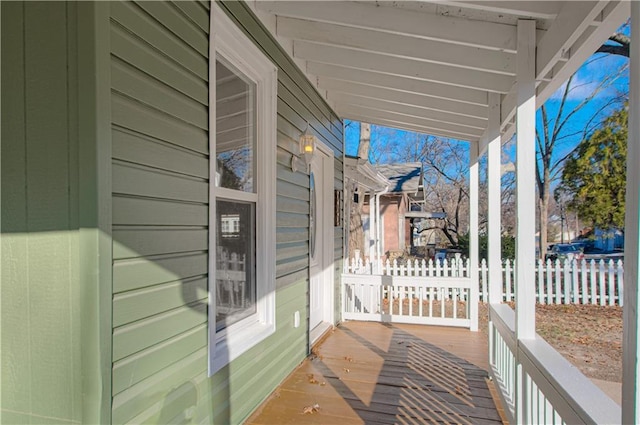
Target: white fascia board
(613, 15)
(398, 45)
(353, 115)
(571, 22)
(411, 119)
(382, 104)
(357, 59)
(399, 83)
(489, 35)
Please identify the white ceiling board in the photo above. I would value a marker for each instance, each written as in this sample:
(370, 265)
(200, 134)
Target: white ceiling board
(429, 66)
(425, 71)
(387, 106)
(409, 85)
(350, 115)
(397, 21)
(532, 9)
(364, 111)
(436, 105)
(397, 45)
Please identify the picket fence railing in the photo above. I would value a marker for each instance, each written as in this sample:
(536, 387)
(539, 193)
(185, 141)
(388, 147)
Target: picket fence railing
(571, 282)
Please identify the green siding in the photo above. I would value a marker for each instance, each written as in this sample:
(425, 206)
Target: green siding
(160, 207)
(127, 82)
(40, 284)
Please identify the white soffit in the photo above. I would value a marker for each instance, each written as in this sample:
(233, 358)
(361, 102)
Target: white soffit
(428, 66)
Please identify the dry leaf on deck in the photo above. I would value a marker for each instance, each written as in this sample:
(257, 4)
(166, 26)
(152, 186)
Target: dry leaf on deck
(311, 409)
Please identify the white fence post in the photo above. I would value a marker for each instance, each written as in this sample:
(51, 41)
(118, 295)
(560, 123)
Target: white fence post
(507, 280)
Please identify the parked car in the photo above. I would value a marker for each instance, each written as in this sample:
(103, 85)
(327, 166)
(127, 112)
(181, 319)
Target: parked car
(564, 252)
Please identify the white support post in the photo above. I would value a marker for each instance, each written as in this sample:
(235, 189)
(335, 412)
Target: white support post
(525, 180)
(494, 200)
(631, 348)
(372, 229)
(378, 230)
(525, 194)
(474, 259)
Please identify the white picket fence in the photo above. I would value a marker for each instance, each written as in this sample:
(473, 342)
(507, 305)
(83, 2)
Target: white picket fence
(420, 293)
(577, 282)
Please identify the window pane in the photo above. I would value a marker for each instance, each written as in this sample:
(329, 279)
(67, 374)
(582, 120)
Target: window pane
(235, 262)
(235, 128)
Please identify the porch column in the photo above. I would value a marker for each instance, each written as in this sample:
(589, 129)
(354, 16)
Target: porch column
(378, 230)
(494, 262)
(372, 229)
(525, 193)
(525, 180)
(631, 382)
(473, 235)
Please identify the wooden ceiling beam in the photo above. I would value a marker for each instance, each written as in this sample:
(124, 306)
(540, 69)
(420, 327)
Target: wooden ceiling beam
(356, 59)
(395, 82)
(397, 45)
(383, 104)
(448, 29)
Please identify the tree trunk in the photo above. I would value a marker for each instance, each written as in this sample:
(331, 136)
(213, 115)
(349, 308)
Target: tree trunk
(365, 141)
(543, 206)
(356, 232)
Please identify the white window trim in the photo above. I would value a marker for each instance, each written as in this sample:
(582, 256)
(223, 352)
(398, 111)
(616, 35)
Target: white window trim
(229, 41)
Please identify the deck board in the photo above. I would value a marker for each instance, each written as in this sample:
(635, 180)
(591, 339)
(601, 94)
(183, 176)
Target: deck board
(377, 373)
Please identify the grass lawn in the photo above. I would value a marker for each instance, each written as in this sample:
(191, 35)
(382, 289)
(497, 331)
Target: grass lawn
(589, 336)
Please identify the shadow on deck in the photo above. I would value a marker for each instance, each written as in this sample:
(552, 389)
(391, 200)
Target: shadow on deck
(375, 373)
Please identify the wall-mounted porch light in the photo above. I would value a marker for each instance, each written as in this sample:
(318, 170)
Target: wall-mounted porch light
(307, 148)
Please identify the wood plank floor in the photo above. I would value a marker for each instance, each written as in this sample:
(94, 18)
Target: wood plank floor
(376, 373)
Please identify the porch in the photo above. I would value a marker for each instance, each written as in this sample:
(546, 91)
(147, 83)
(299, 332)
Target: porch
(376, 373)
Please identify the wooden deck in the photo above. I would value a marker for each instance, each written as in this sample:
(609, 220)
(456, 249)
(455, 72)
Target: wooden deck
(375, 373)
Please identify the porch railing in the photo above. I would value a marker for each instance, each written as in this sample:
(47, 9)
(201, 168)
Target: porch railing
(578, 282)
(403, 299)
(538, 385)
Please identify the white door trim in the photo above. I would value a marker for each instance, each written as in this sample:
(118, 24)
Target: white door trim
(326, 212)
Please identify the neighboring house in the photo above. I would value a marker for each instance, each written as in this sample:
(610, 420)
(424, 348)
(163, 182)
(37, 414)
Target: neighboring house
(362, 183)
(401, 206)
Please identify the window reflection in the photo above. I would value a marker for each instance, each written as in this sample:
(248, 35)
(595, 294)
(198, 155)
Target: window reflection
(235, 128)
(235, 262)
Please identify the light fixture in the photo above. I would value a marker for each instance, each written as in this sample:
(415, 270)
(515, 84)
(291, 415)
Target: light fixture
(307, 148)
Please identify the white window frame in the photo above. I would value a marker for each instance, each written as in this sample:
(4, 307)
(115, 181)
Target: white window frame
(228, 41)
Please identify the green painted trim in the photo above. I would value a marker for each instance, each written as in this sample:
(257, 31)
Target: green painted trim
(94, 122)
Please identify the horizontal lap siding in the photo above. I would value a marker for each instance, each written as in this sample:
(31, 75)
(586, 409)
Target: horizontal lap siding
(298, 103)
(159, 72)
(160, 210)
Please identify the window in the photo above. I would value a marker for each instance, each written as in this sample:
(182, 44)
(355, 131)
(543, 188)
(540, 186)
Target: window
(242, 99)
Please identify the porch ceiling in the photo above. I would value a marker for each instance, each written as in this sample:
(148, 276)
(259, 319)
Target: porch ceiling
(428, 66)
